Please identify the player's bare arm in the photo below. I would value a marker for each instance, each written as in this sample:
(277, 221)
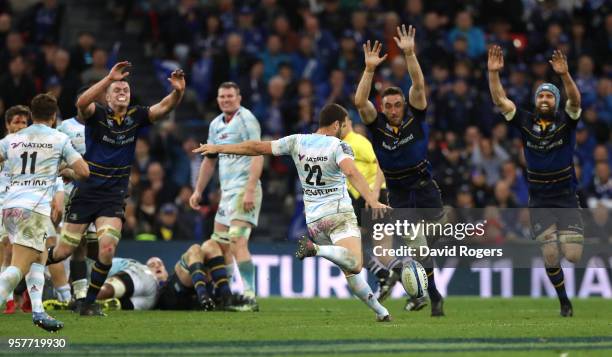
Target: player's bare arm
(207, 169)
(254, 175)
(559, 65)
(86, 102)
(495, 64)
(78, 171)
(166, 105)
(249, 148)
(372, 59)
(378, 181)
(405, 42)
(359, 182)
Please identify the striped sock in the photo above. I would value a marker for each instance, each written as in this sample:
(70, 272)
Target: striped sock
(99, 272)
(555, 275)
(376, 268)
(198, 277)
(35, 281)
(218, 274)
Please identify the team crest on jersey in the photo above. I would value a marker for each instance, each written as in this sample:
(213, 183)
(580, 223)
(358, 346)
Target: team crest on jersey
(129, 121)
(346, 148)
(223, 136)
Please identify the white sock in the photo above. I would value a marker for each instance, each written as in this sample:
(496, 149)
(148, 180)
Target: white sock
(9, 279)
(338, 255)
(362, 290)
(80, 288)
(63, 292)
(35, 280)
(10, 295)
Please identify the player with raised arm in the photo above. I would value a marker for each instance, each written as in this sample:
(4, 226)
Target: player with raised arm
(549, 138)
(110, 139)
(400, 140)
(33, 157)
(323, 163)
(239, 177)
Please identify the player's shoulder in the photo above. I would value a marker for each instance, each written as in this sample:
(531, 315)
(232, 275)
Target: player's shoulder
(246, 114)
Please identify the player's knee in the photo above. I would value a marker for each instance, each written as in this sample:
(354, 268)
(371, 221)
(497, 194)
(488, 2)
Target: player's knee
(194, 254)
(210, 249)
(239, 234)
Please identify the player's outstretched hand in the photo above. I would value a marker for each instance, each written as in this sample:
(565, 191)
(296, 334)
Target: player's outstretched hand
(194, 200)
(495, 62)
(372, 55)
(117, 72)
(405, 39)
(177, 80)
(206, 149)
(559, 62)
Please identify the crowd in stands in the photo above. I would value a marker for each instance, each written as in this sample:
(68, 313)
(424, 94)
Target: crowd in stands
(292, 57)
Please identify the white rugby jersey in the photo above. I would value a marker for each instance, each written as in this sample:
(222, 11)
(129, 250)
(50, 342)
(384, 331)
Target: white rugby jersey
(317, 158)
(76, 132)
(234, 169)
(32, 157)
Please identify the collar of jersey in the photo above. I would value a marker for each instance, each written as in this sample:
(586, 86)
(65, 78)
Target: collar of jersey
(117, 118)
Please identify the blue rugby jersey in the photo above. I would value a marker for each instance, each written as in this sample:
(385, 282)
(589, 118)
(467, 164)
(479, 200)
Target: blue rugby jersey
(549, 150)
(110, 141)
(402, 156)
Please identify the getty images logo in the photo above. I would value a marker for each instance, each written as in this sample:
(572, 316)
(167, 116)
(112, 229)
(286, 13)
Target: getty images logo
(28, 145)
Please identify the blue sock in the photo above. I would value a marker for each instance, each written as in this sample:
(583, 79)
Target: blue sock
(99, 272)
(218, 274)
(555, 275)
(198, 277)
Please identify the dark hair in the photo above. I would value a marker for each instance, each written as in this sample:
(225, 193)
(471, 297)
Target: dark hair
(392, 91)
(17, 110)
(228, 85)
(44, 107)
(332, 113)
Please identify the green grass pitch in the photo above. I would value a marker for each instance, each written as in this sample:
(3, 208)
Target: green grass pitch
(289, 327)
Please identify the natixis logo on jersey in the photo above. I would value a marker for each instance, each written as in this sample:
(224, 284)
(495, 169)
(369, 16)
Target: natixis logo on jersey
(31, 145)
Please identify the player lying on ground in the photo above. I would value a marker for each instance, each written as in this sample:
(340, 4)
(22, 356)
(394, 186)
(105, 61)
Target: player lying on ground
(110, 139)
(549, 138)
(33, 156)
(199, 281)
(400, 139)
(322, 161)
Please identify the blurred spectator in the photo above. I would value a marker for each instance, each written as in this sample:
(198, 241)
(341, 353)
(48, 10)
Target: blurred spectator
(517, 182)
(42, 22)
(336, 90)
(164, 190)
(464, 26)
(252, 36)
(6, 22)
(272, 57)
(14, 47)
(600, 190)
(489, 157)
(98, 69)
(349, 59)
(168, 226)
(398, 75)
(334, 17)
(232, 63)
(273, 113)
(586, 81)
(324, 42)
(81, 56)
(253, 85)
(503, 196)
(16, 87)
(145, 213)
(180, 23)
(195, 160)
(282, 28)
(68, 81)
(603, 102)
(305, 62)
(457, 108)
(483, 195)
(211, 40)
